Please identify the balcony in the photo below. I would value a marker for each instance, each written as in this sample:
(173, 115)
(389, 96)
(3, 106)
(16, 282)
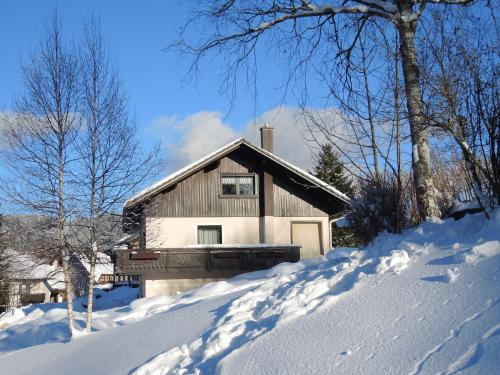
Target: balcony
(203, 260)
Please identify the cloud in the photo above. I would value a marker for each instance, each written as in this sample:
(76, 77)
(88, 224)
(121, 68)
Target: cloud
(191, 138)
(188, 139)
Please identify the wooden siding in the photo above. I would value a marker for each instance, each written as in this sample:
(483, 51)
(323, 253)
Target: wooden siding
(288, 203)
(200, 194)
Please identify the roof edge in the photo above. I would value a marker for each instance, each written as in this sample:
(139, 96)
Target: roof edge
(180, 173)
(200, 163)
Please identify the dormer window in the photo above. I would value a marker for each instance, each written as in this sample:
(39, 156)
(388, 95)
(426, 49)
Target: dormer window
(238, 185)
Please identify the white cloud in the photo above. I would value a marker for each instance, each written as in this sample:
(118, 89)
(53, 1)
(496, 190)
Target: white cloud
(190, 138)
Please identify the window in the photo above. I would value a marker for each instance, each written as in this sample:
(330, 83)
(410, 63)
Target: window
(243, 185)
(24, 288)
(209, 234)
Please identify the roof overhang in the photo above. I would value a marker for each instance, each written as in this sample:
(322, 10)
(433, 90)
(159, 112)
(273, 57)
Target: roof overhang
(221, 152)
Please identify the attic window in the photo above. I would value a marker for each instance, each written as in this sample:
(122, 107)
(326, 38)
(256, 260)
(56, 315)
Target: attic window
(239, 185)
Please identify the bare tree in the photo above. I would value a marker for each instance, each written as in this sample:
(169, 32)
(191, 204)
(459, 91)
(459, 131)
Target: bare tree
(111, 162)
(40, 140)
(366, 108)
(302, 29)
(462, 82)
(4, 271)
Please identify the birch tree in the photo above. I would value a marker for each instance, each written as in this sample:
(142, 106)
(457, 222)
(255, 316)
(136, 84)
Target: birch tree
(111, 161)
(40, 140)
(4, 270)
(301, 29)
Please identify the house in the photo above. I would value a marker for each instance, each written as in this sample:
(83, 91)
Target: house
(237, 209)
(33, 281)
(103, 271)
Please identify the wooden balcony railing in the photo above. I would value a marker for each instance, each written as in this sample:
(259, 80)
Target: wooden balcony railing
(204, 260)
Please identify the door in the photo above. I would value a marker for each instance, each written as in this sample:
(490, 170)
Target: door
(307, 235)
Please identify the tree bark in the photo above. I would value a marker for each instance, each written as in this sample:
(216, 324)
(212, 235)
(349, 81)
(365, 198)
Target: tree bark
(419, 133)
(68, 281)
(90, 298)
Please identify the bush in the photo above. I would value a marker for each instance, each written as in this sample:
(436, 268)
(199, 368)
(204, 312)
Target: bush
(344, 237)
(381, 205)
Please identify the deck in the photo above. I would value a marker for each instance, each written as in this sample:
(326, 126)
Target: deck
(203, 261)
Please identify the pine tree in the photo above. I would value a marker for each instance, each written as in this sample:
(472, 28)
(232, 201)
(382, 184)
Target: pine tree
(330, 169)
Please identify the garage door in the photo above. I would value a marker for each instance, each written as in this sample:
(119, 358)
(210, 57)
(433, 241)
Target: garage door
(307, 235)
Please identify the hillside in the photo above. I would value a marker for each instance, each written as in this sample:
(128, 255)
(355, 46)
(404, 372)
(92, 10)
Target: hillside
(426, 301)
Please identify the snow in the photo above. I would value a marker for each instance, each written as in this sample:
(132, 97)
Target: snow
(407, 304)
(464, 206)
(397, 261)
(239, 246)
(26, 267)
(103, 266)
(342, 222)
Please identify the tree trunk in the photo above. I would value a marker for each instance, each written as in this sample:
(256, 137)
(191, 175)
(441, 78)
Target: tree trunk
(419, 133)
(397, 109)
(65, 257)
(90, 300)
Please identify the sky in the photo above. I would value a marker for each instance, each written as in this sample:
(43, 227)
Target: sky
(188, 118)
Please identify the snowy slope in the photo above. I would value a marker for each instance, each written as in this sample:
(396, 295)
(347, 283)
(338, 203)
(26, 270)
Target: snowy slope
(426, 301)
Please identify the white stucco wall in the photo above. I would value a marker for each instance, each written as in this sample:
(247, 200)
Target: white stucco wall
(182, 231)
(35, 288)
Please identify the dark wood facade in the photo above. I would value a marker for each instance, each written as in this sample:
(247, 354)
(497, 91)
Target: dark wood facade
(200, 194)
(206, 262)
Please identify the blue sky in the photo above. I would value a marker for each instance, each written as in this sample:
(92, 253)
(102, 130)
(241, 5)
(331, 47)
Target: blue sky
(137, 33)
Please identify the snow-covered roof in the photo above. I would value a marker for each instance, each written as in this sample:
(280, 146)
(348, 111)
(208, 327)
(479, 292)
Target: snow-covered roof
(103, 266)
(242, 246)
(464, 206)
(198, 164)
(24, 266)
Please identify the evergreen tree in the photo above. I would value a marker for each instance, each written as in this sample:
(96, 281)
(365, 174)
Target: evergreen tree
(330, 169)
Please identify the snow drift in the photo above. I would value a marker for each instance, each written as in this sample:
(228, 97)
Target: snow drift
(426, 301)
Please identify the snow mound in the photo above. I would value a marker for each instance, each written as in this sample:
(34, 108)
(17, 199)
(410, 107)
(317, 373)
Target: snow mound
(410, 303)
(316, 287)
(396, 262)
(37, 324)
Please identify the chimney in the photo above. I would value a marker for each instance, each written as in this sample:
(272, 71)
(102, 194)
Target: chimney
(266, 137)
(266, 198)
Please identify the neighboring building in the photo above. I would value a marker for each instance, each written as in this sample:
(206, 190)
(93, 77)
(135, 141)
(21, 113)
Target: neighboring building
(37, 281)
(32, 281)
(103, 272)
(238, 209)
